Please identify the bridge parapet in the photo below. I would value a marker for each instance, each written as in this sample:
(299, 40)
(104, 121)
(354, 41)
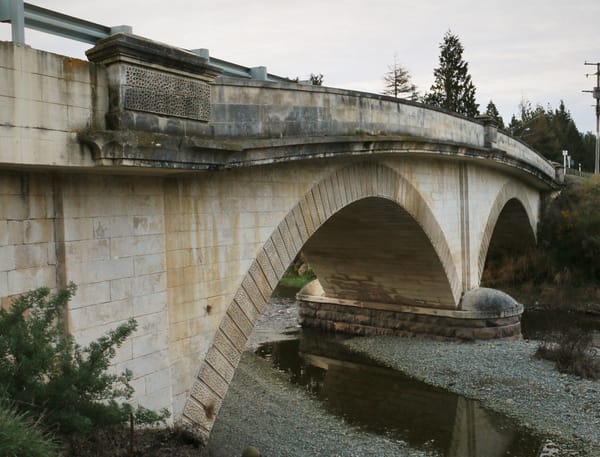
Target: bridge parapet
(153, 86)
(151, 105)
(521, 151)
(259, 109)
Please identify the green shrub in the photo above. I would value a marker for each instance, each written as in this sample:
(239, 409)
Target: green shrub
(20, 437)
(570, 230)
(46, 374)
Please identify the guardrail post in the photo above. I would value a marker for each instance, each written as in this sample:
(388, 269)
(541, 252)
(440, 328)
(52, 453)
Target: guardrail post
(13, 11)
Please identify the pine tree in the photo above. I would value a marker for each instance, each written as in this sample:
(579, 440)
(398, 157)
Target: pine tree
(397, 82)
(46, 375)
(492, 111)
(453, 88)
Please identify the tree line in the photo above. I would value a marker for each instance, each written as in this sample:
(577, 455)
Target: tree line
(547, 130)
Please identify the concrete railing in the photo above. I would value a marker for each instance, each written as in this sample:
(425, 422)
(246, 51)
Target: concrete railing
(252, 108)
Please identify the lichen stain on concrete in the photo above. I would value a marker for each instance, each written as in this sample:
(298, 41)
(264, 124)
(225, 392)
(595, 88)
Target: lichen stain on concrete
(72, 66)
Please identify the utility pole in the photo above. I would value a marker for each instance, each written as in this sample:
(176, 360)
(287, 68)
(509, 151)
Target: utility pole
(596, 95)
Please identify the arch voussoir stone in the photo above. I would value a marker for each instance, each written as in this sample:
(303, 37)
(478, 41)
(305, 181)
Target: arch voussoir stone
(196, 414)
(319, 211)
(284, 256)
(334, 200)
(261, 281)
(233, 332)
(323, 194)
(306, 215)
(226, 348)
(271, 253)
(256, 297)
(344, 186)
(220, 363)
(298, 219)
(204, 396)
(244, 319)
(286, 237)
(267, 269)
(295, 236)
(384, 182)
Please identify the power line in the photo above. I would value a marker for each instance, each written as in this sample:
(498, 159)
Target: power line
(596, 94)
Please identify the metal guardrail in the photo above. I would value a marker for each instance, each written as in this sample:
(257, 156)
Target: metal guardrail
(583, 174)
(23, 15)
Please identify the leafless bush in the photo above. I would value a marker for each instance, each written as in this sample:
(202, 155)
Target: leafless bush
(573, 352)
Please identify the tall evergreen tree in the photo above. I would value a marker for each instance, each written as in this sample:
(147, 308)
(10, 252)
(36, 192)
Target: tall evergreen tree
(551, 131)
(453, 88)
(397, 82)
(492, 112)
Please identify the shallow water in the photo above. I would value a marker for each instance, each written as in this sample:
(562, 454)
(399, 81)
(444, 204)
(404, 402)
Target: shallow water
(383, 401)
(386, 402)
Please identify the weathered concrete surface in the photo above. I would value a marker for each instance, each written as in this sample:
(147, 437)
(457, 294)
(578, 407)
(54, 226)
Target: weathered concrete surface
(48, 101)
(187, 224)
(45, 100)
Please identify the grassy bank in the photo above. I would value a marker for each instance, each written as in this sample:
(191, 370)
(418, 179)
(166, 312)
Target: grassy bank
(297, 275)
(293, 280)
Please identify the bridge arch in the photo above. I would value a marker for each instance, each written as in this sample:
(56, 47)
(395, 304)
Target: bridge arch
(339, 190)
(511, 225)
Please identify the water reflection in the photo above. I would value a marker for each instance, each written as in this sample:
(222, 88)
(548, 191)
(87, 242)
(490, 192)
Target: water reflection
(386, 402)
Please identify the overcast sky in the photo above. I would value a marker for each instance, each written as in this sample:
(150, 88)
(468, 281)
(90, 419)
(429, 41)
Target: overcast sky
(526, 49)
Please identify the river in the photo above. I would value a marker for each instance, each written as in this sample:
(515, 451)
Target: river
(361, 408)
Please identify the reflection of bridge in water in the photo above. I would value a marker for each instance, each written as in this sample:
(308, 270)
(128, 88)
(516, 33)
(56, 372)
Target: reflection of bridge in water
(385, 401)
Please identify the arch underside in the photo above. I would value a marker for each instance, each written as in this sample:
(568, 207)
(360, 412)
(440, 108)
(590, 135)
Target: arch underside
(399, 266)
(513, 234)
(374, 251)
(510, 229)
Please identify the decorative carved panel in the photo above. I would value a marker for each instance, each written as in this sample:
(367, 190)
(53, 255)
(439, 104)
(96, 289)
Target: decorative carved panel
(166, 94)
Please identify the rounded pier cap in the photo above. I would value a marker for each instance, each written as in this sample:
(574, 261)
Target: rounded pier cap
(251, 451)
(491, 302)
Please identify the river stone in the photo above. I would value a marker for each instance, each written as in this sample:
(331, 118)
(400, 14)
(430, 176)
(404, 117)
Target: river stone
(251, 451)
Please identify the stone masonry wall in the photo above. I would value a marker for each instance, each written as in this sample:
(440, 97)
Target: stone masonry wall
(27, 234)
(370, 322)
(45, 99)
(115, 253)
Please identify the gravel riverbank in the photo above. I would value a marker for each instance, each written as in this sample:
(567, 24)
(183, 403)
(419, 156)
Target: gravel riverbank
(263, 410)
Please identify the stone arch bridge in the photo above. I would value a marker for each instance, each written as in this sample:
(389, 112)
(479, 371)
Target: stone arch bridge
(178, 196)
